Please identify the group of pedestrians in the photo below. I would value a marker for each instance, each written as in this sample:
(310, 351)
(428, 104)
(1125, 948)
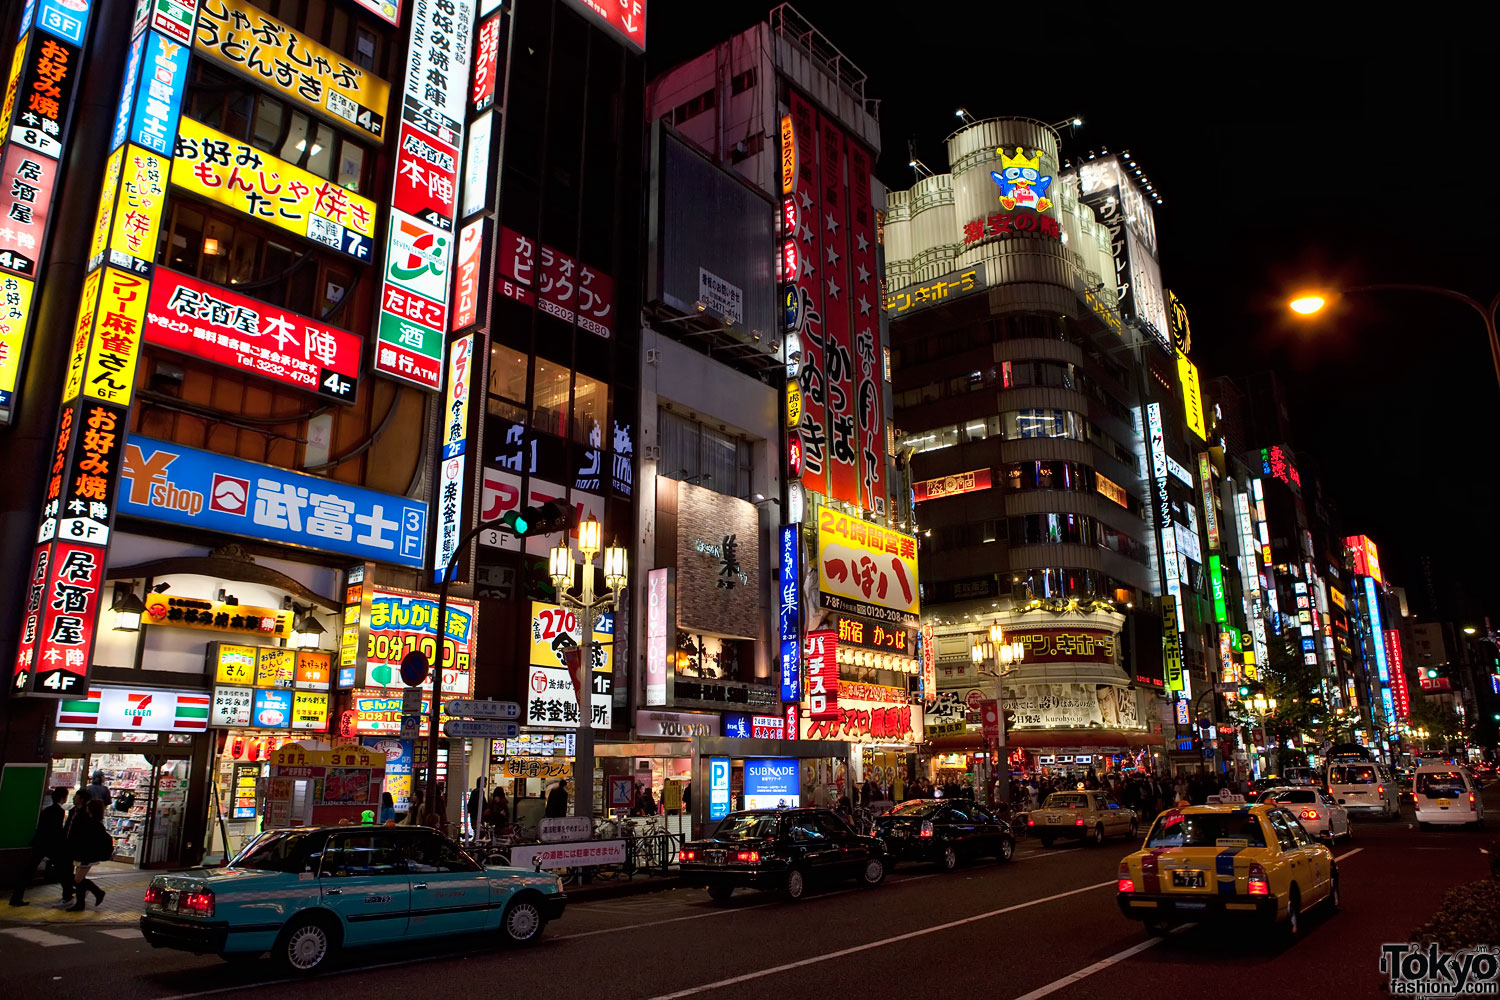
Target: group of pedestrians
(72, 841)
(1147, 794)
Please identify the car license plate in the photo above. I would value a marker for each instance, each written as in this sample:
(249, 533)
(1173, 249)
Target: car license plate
(1188, 879)
(716, 857)
(1052, 817)
(1442, 803)
(1192, 906)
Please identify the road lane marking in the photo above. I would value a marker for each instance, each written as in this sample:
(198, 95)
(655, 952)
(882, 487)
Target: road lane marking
(828, 956)
(124, 933)
(1348, 854)
(37, 936)
(1100, 965)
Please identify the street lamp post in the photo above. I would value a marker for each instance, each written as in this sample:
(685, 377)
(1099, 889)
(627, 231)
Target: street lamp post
(586, 604)
(1307, 305)
(1264, 707)
(1004, 656)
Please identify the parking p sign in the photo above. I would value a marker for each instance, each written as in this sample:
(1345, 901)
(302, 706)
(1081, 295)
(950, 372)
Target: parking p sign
(718, 787)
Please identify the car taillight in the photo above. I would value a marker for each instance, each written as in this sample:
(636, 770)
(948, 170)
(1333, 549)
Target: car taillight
(1256, 883)
(1030, 821)
(1126, 883)
(687, 855)
(1380, 790)
(749, 857)
(1078, 822)
(1308, 814)
(154, 895)
(201, 903)
(1471, 800)
(926, 828)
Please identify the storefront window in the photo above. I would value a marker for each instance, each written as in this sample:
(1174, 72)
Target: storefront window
(549, 406)
(590, 403)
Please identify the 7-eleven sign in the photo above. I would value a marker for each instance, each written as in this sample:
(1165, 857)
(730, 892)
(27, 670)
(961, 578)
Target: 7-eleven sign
(139, 709)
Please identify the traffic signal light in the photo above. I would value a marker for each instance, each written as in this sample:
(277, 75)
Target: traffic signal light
(1431, 672)
(547, 519)
(1244, 690)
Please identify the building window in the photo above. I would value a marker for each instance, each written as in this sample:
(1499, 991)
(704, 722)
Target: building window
(747, 147)
(704, 456)
(693, 108)
(1113, 490)
(742, 82)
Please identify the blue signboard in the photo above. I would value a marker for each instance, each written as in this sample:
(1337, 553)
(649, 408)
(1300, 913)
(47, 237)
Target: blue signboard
(791, 577)
(398, 764)
(26, 14)
(271, 709)
(771, 784)
(64, 20)
(791, 670)
(1377, 633)
(346, 677)
(132, 74)
(179, 485)
(160, 97)
(737, 725)
(718, 787)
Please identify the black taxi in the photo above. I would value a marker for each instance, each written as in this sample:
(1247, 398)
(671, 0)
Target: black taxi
(780, 849)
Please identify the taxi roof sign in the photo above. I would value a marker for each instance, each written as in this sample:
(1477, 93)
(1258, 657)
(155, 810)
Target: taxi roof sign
(1215, 800)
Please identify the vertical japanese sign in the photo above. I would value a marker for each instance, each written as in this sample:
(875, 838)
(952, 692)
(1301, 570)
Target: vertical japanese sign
(1165, 529)
(821, 656)
(1171, 644)
(838, 348)
(929, 665)
(791, 611)
(414, 294)
(1210, 508)
(34, 119)
(799, 265)
(453, 472)
(82, 483)
(864, 291)
(661, 631)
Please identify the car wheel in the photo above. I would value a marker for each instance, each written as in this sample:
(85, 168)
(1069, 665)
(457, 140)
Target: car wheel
(1294, 915)
(1335, 900)
(1046, 840)
(874, 871)
(306, 946)
(795, 884)
(1007, 849)
(948, 860)
(1097, 838)
(719, 893)
(1135, 830)
(523, 921)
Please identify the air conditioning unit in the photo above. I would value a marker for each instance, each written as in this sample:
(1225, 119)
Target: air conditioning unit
(651, 452)
(653, 356)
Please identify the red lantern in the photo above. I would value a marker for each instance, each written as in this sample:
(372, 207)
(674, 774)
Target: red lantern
(348, 723)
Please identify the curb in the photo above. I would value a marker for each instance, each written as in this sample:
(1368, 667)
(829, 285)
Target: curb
(616, 890)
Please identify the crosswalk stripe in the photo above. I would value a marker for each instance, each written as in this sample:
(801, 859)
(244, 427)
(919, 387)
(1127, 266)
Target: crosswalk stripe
(36, 936)
(123, 933)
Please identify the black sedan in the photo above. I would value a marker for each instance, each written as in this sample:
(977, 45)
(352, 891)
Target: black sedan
(782, 849)
(944, 831)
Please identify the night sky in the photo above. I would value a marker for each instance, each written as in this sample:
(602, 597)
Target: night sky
(1327, 160)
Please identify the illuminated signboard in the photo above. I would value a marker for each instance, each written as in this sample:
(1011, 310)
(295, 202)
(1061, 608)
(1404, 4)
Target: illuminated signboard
(467, 297)
(476, 180)
(239, 176)
(218, 325)
(930, 293)
(1171, 647)
(486, 65)
(249, 41)
(1399, 690)
(661, 633)
(1365, 556)
(788, 155)
(820, 658)
(793, 404)
(626, 19)
(1177, 325)
(947, 486)
(158, 103)
(1372, 608)
(1192, 395)
(536, 275)
(871, 635)
(1216, 580)
(1001, 226)
(135, 710)
(1275, 462)
(868, 713)
(426, 183)
(63, 610)
(401, 621)
(1167, 532)
(453, 472)
(555, 630)
(1210, 508)
(15, 313)
(790, 601)
(27, 179)
(216, 616)
(1065, 645)
(866, 569)
(44, 95)
(388, 10)
(718, 788)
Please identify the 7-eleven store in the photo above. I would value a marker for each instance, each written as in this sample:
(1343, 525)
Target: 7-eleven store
(148, 742)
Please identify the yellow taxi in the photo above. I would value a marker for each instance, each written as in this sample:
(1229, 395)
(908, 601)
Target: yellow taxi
(1227, 859)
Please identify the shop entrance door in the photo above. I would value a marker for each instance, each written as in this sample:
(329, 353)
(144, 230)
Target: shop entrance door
(147, 804)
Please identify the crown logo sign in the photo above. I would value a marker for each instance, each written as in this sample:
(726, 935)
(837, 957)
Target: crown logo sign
(1021, 181)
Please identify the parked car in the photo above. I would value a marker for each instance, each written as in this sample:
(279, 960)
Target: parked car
(1314, 808)
(785, 849)
(944, 831)
(305, 894)
(1446, 795)
(1090, 816)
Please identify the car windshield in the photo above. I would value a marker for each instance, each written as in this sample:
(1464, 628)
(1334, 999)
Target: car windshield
(1175, 829)
(916, 807)
(1441, 784)
(1067, 800)
(1295, 796)
(746, 826)
(1351, 774)
(279, 851)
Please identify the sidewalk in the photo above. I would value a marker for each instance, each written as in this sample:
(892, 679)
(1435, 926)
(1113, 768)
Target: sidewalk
(124, 893)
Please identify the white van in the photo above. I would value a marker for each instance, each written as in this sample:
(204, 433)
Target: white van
(1363, 787)
(1446, 794)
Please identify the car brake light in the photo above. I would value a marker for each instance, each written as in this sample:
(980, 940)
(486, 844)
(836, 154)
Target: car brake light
(153, 895)
(750, 857)
(1380, 790)
(926, 828)
(200, 902)
(1256, 882)
(1471, 800)
(1078, 822)
(1030, 821)
(1126, 883)
(687, 855)
(1308, 814)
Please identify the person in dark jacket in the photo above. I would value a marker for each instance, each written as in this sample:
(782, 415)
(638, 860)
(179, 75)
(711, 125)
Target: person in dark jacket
(97, 789)
(557, 801)
(48, 842)
(88, 844)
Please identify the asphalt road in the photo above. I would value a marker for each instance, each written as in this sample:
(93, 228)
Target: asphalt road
(1044, 925)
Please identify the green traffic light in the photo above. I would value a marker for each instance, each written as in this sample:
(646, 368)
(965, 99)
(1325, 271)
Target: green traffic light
(516, 523)
(1244, 690)
(1431, 673)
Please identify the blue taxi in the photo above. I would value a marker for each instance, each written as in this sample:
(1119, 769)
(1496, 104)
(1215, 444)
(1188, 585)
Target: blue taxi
(303, 894)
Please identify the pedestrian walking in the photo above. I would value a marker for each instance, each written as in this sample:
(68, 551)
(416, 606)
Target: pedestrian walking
(414, 809)
(557, 801)
(476, 806)
(48, 842)
(88, 844)
(97, 789)
(387, 809)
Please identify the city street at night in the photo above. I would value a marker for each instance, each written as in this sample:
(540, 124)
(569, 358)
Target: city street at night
(1044, 925)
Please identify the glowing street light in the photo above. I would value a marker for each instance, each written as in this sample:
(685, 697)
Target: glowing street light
(1308, 304)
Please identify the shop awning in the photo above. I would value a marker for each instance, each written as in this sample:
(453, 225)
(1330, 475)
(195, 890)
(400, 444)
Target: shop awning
(1047, 738)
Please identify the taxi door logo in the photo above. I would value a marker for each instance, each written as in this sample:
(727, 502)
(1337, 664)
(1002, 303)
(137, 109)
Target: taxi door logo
(1021, 181)
(229, 495)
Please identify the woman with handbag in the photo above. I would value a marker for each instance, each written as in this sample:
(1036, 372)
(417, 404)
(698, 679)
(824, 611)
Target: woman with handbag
(88, 844)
